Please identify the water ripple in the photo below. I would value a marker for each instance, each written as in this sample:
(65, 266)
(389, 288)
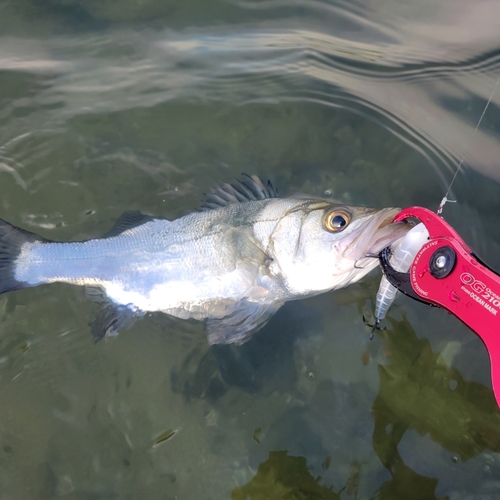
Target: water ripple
(418, 95)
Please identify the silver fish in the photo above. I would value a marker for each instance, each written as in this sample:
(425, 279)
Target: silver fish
(233, 263)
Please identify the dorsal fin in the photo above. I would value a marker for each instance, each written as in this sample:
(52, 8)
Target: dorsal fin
(128, 220)
(250, 188)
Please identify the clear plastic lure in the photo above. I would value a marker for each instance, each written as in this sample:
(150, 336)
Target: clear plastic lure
(402, 256)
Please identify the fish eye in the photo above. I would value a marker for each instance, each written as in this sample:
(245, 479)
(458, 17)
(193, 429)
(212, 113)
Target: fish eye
(336, 221)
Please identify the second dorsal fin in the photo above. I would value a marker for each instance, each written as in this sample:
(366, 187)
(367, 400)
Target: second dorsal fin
(128, 220)
(250, 188)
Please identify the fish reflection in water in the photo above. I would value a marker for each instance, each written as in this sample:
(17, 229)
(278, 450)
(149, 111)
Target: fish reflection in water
(464, 421)
(233, 263)
(283, 477)
(419, 391)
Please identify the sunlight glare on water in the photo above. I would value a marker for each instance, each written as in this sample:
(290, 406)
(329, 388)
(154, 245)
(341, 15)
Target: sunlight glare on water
(119, 105)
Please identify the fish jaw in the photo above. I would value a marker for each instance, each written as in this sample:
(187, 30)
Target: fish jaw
(311, 260)
(356, 253)
(374, 233)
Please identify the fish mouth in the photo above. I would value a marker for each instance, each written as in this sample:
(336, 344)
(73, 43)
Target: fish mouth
(374, 234)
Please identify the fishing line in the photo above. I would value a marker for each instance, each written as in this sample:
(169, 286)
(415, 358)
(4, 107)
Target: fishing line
(445, 198)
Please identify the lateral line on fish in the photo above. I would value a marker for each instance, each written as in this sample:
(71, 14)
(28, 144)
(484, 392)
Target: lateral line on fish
(233, 267)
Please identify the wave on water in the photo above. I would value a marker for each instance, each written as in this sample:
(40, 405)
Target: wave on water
(420, 91)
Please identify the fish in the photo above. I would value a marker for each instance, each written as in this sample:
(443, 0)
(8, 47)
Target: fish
(232, 263)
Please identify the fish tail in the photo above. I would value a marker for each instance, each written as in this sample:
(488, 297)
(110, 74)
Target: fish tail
(12, 239)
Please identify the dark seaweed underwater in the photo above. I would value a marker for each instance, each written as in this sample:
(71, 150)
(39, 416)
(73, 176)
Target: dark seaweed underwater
(108, 106)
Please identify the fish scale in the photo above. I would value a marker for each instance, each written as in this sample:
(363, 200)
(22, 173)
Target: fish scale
(233, 263)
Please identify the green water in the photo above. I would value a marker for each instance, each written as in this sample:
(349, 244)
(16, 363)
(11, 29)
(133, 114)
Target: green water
(113, 105)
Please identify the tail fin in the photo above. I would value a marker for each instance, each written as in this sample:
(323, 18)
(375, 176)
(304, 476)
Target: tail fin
(12, 239)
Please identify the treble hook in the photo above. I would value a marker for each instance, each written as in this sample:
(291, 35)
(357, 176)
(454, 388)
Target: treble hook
(375, 326)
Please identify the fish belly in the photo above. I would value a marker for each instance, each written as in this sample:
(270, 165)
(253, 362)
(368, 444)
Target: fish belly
(188, 279)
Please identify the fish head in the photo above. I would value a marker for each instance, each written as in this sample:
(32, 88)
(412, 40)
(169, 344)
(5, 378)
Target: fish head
(319, 245)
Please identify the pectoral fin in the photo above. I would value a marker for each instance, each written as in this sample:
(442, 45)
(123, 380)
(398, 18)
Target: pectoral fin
(111, 319)
(239, 325)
